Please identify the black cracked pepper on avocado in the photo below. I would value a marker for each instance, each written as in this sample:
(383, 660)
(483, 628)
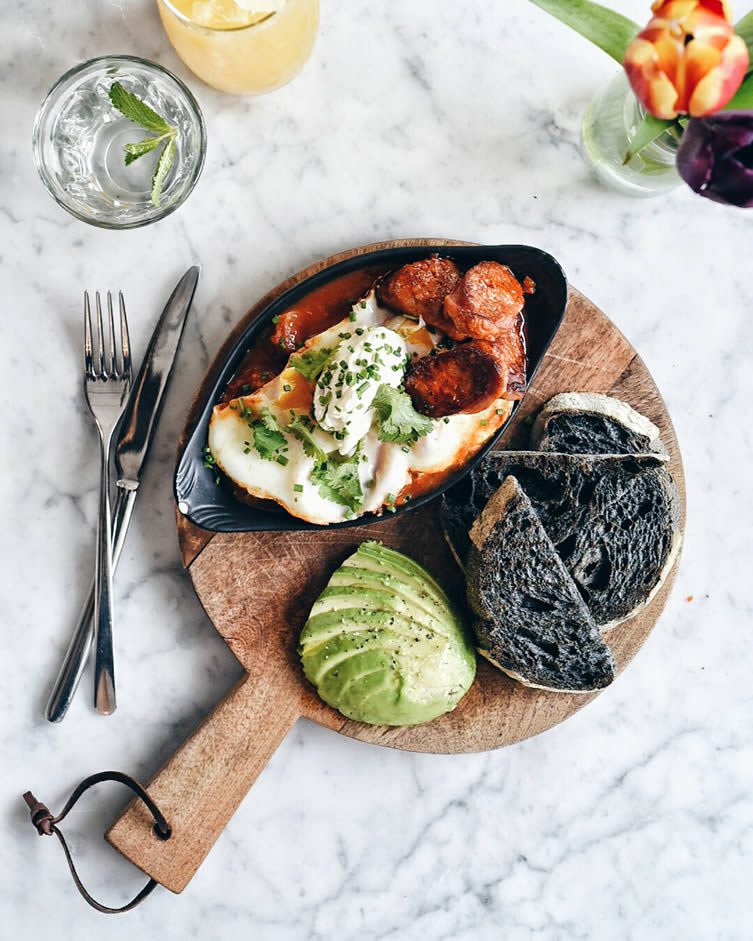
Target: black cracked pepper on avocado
(383, 644)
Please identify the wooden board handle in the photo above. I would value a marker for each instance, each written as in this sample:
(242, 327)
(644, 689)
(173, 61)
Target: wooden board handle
(200, 787)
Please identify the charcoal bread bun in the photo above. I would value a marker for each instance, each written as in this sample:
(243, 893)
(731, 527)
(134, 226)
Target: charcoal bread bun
(531, 620)
(626, 543)
(614, 520)
(559, 485)
(592, 423)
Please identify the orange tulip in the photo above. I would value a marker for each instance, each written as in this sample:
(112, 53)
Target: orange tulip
(688, 60)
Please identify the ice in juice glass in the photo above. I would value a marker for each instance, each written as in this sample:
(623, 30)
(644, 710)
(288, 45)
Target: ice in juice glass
(246, 47)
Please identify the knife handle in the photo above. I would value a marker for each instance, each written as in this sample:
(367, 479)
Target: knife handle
(77, 653)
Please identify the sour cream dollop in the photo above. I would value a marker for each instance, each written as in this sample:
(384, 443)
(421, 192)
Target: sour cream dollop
(363, 360)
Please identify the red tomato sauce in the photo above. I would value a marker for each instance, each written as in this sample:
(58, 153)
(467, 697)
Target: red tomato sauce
(314, 312)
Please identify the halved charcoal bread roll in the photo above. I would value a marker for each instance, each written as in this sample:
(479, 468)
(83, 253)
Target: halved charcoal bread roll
(614, 520)
(532, 622)
(593, 423)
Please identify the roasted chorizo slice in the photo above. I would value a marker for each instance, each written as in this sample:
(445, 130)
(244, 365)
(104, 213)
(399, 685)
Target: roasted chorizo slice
(487, 301)
(418, 289)
(509, 349)
(464, 379)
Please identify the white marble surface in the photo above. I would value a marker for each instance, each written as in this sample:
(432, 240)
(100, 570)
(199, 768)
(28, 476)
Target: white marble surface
(632, 820)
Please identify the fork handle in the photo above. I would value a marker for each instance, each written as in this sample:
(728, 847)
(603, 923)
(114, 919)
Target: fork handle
(74, 661)
(104, 666)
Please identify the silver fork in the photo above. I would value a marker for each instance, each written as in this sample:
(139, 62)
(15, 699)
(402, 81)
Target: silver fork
(107, 382)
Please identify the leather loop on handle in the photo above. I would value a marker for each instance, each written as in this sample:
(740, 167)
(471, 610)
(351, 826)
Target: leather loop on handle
(47, 825)
(201, 786)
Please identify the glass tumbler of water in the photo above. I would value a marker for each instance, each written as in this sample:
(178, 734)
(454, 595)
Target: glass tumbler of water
(79, 139)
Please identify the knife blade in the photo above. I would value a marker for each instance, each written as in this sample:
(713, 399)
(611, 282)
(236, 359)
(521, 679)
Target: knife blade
(134, 439)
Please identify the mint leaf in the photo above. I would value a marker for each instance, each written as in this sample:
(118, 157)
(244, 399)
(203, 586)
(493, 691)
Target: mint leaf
(337, 480)
(397, 420)
(134, 151)
(138, 111)
(311, 363)
(161, 170)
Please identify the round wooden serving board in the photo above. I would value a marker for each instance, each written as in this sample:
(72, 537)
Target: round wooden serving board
(257, 589)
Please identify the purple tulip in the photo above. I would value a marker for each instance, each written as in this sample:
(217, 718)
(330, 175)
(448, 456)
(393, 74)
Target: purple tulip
(715, 157)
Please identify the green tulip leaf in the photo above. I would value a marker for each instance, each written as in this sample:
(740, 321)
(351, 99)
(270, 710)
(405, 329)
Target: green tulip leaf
(606, 29)
(745, 29)
(648, 130)
(743, 100)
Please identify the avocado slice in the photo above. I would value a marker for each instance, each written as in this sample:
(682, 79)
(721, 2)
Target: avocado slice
(383, 644)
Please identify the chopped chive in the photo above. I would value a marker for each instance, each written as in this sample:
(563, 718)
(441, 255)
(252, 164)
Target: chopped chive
(483, 423)
(298, 488)
(276, 318)
(500, 411)
(281, 459)
(352, 315)
(286, 387)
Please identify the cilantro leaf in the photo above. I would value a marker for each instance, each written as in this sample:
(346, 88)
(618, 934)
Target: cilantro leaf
(134, 151)
(336, 477)
(301, 430)
(397, 420)
(337, 480)
(269, 440)
(161, 170)
(311, 363)
(138, 111)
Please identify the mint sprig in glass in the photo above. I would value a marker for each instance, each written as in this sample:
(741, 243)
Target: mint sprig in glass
(137, 111)
(119, 142)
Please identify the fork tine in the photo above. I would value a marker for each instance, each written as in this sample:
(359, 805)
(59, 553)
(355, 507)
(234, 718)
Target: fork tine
(100, 355)
(124, 338)
(113, 367)
(88, 362)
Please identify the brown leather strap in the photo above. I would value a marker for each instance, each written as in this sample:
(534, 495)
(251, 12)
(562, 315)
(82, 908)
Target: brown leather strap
(46, 825)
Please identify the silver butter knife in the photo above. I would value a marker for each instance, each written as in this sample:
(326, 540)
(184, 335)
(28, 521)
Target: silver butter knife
(135, 436)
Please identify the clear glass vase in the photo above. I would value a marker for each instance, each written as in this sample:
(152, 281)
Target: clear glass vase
(610, 124)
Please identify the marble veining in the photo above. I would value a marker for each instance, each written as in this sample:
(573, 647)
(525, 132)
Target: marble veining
(634, 820)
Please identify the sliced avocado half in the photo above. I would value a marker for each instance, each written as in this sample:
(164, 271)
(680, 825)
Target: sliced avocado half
(383, 644)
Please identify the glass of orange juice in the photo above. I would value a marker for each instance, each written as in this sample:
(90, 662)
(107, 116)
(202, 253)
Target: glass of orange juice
(245, 47)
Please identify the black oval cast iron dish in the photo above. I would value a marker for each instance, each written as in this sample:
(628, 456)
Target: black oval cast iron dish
(214, 507)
